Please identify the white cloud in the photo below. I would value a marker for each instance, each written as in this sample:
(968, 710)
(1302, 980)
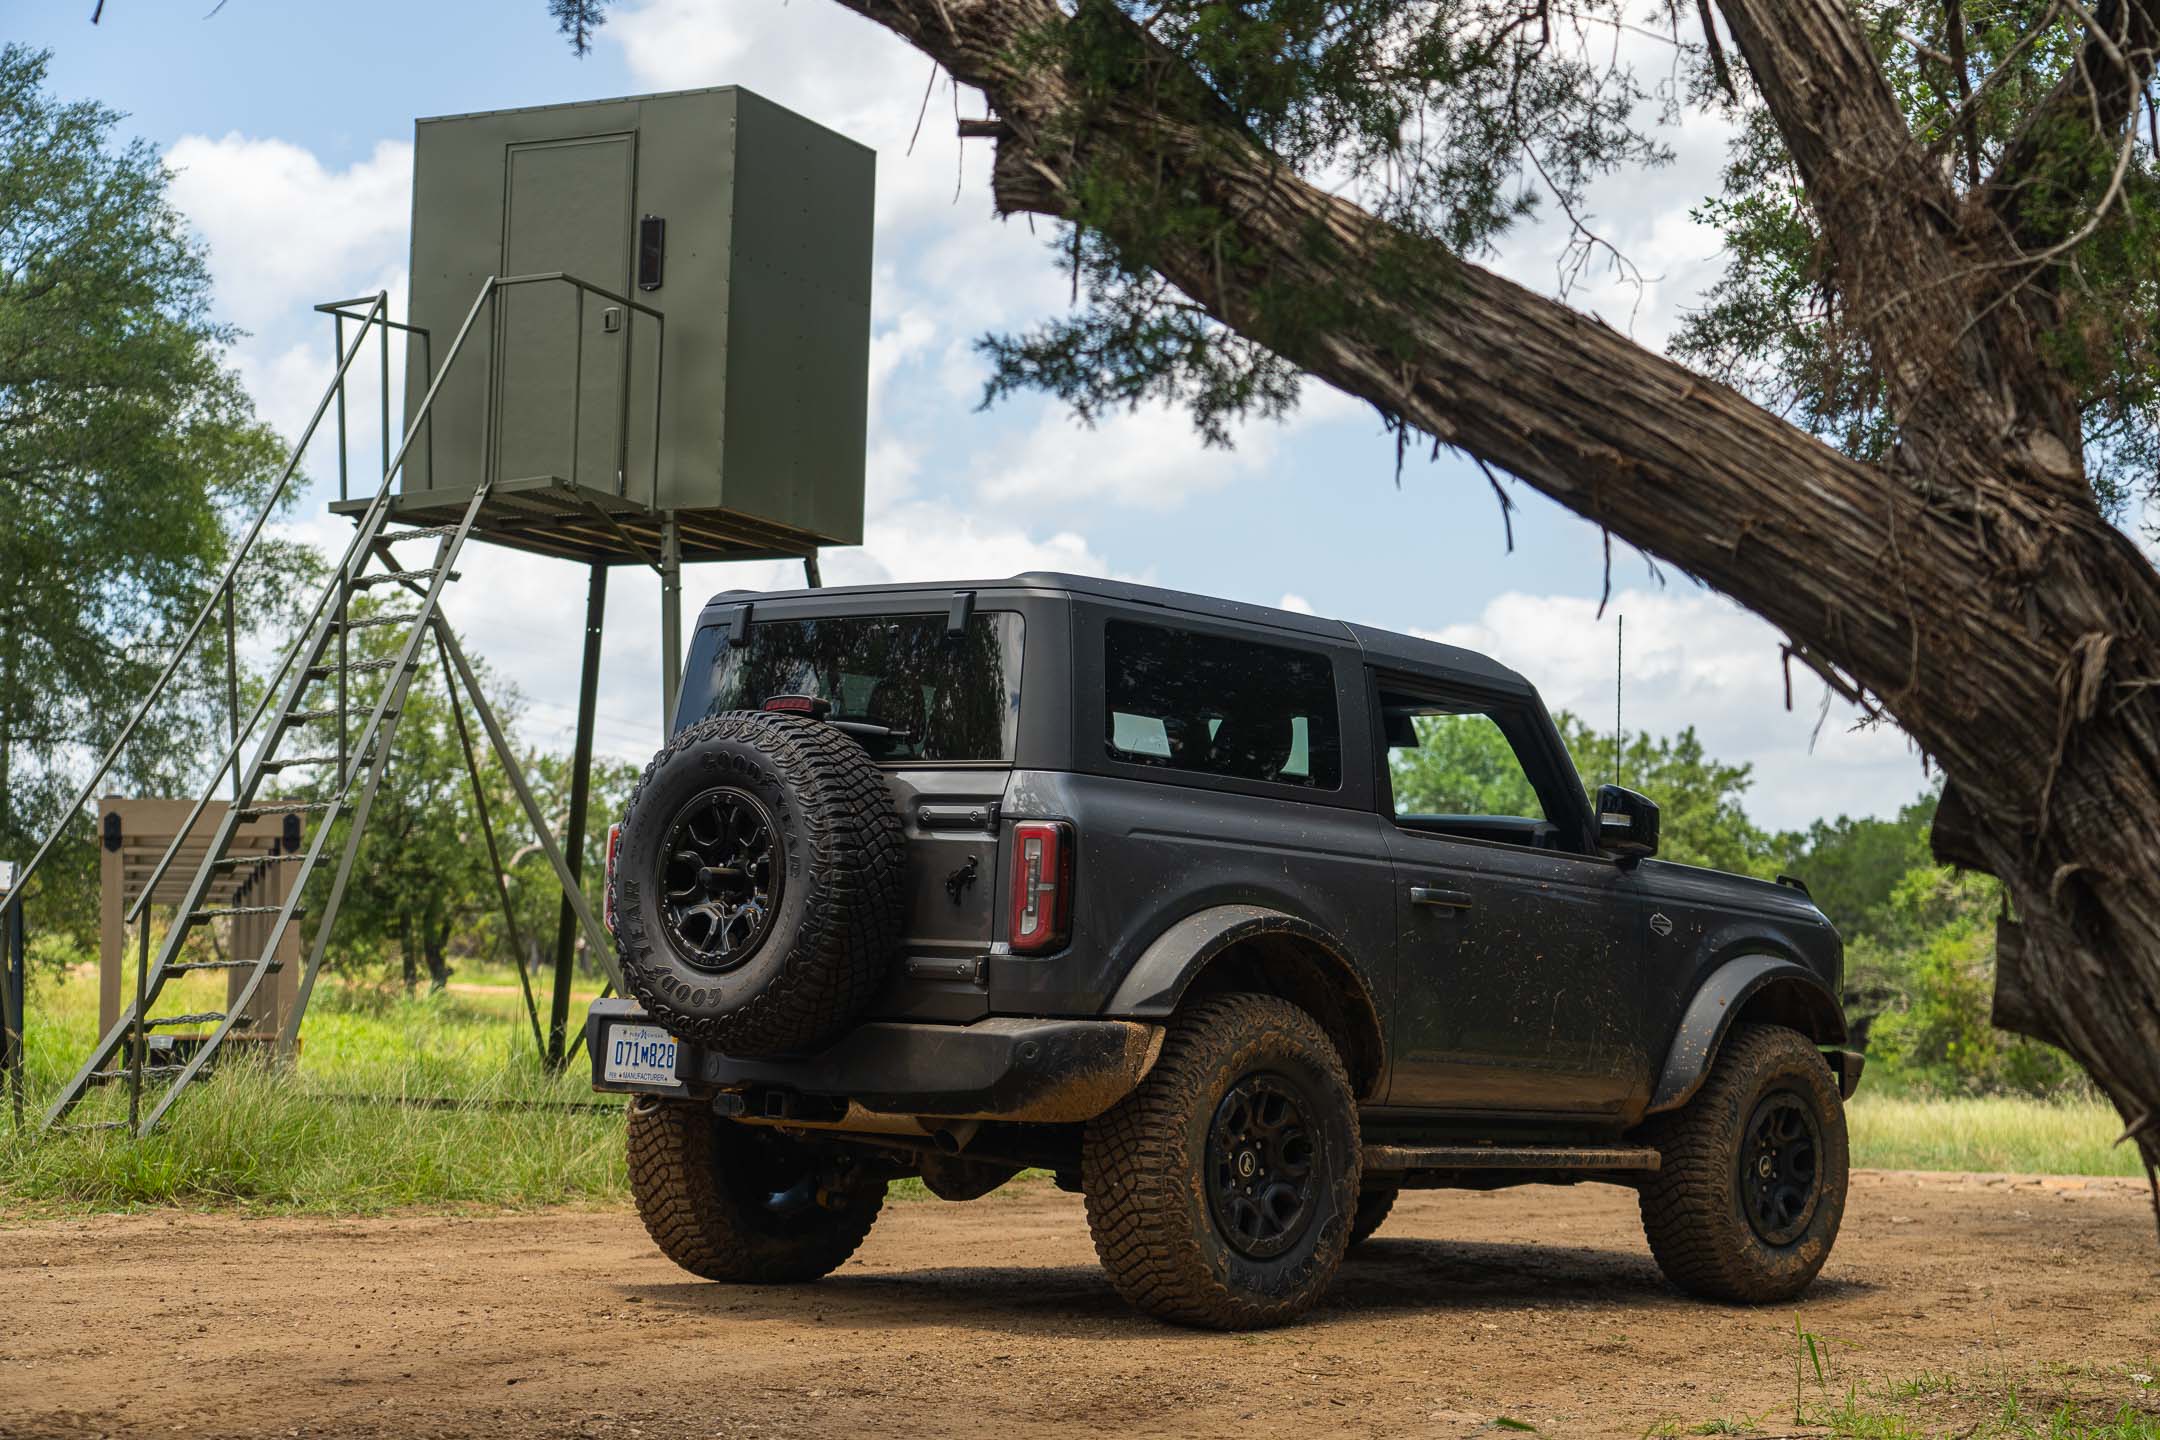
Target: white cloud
(1149, 458)
(282, 226)
(1694, 658)
(1296, 604)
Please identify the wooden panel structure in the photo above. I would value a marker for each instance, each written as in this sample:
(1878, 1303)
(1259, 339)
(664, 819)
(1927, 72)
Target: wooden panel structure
(146, 827)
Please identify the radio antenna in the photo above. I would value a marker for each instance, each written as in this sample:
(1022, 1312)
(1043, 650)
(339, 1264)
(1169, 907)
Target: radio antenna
(1618, 670)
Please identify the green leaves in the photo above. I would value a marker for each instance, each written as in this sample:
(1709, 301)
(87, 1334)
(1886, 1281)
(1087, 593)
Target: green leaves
(1450, 119)
(1774, 327)
(127, 453)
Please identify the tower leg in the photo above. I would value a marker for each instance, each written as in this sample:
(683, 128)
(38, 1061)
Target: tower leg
(566, 927)
(670, 623)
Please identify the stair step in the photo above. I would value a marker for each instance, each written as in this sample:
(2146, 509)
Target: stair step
(1388, 1158)
(391, 577)
(186, 965)
(299, 760)
(199, 1018)
(351, 667)
(212, 912)
(392, 537)
(368, 622)
(309, 717)
(256, 862)
(294, 807)
(148, 1071)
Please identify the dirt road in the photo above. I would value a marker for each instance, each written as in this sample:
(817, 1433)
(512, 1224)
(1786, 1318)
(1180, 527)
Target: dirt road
(1540, 1305)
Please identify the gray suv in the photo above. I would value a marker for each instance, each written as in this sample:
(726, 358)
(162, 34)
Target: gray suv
(1189, 903)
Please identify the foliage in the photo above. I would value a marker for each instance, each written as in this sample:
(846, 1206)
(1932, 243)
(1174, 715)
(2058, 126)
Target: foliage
(129, 456)
(1936, 954)
(1769, 325)
(1463, 765)
(1451, 120)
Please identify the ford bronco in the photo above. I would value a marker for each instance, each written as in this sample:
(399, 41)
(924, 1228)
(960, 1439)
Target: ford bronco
(953, 881)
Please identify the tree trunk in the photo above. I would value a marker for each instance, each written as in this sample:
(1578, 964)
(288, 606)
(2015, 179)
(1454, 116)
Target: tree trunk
(1971, 584)
(437, 931)
(406, 954)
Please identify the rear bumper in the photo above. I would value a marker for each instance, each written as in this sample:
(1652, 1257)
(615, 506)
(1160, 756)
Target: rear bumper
(1041, 1071)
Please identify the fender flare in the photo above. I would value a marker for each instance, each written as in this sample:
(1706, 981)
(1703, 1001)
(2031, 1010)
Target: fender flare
(1173, 960)
(1797, 993)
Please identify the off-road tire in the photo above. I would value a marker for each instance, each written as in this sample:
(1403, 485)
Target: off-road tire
(1372, 1212)
(1145, 1171)
(835, 924)
(697, 1183)
(1693, 1209)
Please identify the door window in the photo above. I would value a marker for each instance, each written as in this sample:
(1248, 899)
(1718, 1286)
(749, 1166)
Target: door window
(1452, 770)
(1241, 709)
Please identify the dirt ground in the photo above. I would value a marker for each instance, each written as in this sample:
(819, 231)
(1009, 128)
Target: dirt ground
(1539, 1305)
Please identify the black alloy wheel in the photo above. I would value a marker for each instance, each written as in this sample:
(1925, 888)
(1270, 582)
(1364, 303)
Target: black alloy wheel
(1260, 1167)
(1780, 1168)
(722, 885)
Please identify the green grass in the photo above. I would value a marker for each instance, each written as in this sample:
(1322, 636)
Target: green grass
(318, 1140)
(321, 1139)
(2043, 1137)
(2058, 1402)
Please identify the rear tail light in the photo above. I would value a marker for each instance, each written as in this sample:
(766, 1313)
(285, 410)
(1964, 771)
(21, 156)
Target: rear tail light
(1041, 884)
(607, 878)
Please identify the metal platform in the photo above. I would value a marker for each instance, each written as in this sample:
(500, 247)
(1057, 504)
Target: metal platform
(548, 515)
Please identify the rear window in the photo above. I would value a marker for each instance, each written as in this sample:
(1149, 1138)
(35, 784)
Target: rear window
(898, 683)
(1237, 708)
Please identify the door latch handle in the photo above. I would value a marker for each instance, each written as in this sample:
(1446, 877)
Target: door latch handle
(1445, 899)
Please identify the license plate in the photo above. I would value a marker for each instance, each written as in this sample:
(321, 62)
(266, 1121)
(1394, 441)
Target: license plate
(640, 1055)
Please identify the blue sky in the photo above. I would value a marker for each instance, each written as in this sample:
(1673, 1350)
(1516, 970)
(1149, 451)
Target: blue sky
(290, 127)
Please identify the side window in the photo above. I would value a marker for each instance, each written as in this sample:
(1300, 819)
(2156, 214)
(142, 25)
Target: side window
(1219, 706)
(1451, 762)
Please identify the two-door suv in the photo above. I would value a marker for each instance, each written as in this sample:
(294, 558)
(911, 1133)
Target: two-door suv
(1195, 905)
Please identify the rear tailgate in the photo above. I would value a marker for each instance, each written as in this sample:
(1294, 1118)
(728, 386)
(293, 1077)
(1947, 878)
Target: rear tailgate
(952, 828)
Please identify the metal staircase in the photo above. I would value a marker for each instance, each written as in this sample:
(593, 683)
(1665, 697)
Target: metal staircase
(311, 727)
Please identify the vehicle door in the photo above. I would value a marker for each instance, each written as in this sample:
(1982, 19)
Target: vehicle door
(1519, 949)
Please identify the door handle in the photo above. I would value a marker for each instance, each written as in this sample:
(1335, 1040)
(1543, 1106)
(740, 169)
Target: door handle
(1445, 899)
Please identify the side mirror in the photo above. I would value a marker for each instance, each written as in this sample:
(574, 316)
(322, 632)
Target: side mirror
(1627, 823)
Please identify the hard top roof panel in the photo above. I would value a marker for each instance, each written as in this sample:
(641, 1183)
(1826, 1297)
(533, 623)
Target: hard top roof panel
(1384, 648)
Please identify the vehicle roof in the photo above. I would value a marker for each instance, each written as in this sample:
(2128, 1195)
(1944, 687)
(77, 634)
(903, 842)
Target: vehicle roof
(1387, 649)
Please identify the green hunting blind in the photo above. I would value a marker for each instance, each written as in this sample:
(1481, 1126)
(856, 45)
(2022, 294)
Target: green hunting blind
(722, 378)
(639, 334)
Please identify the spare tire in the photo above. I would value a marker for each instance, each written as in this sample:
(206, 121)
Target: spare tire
(758, 883)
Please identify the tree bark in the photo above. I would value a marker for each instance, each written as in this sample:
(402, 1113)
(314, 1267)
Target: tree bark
(1970, 582)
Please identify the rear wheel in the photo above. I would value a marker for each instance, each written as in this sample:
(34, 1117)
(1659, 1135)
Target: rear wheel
(1221, 1192)
(1752, 1189)
(734, 1202)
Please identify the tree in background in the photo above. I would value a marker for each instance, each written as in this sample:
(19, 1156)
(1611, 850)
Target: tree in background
(1960, 253)
(1463, 765)
(127, 452)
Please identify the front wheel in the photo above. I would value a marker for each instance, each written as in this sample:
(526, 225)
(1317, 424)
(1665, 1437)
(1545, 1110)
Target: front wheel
(1221, 1192)
(733, 1202)
(1372, 1212)
(1752, 1187)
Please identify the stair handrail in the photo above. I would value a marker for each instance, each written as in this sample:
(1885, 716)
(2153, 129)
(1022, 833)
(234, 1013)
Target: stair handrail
(353, 560)
(14, 896)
